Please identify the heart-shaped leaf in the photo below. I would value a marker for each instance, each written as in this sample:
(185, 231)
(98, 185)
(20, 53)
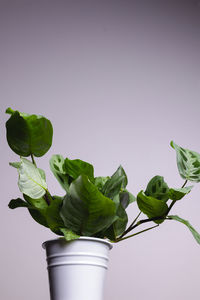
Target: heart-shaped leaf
(85, 210)
(31, 179)
(188, 163)
(152, 207)
(178, 194)
(28, 134)
(157, 188)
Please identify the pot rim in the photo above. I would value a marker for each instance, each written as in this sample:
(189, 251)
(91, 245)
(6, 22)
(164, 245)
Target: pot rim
(87, 238)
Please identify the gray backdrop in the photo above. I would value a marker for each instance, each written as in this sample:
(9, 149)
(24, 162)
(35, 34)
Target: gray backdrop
(119, 80)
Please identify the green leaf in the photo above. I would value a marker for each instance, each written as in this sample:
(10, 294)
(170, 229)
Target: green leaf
(15, 203)
(126, 198)
(28, 134)
(188, 163)
(178, 194)
(157, 188)
(195, 234)
(152, 207)
(76, 167)
(114, 185)
(69, 235)
(57, 165)
(120, 224)
(85, 210)
(121, 219)
(37, 209)
(100, 182)
(31, 179)
(52, 215)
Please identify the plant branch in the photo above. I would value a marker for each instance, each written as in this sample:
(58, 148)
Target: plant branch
(127, 237)
(130, 227)
(174, 201)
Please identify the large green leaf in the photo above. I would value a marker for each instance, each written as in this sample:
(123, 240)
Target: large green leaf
(28, 134)
(188, 163)
(114, 185)
(120, 221)
(52, 215)
(31, 179)
(178, 194)
(37, 209)
(152, 207)
(85, 210)
(157, 188)
(195, 234)
(47, 215)
(76, 167)
(57, 165)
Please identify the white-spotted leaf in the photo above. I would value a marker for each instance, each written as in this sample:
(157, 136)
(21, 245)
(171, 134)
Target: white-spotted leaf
(188, 163)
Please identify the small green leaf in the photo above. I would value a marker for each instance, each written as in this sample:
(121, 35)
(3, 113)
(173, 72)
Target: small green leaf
(100, 182)
(178, 194)
(188, 163)
(157, 188)
(75, 168)
(28, 134)
(195, 234)
(114, 185)
(69, 235)
(57, 165)
(15, 203)
(152, 207)
(31, 179)
(85, 210)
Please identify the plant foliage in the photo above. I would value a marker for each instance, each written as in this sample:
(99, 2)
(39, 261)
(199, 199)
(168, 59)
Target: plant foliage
(90, 206)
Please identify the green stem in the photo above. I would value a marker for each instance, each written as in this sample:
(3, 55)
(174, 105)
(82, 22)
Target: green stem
(127, 237)
(33, 160)
(184, 183)
(174, 201)
(130, 227)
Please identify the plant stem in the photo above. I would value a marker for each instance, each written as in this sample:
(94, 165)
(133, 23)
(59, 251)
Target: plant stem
(184, 183)
(127, 237)
(130, 227)
(174, 201)
(33, 160)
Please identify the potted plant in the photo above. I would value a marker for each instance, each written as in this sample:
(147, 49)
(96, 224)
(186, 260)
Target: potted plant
(91, 216)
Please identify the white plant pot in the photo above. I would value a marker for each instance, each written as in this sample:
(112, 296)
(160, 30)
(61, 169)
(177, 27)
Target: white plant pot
(77, 268)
